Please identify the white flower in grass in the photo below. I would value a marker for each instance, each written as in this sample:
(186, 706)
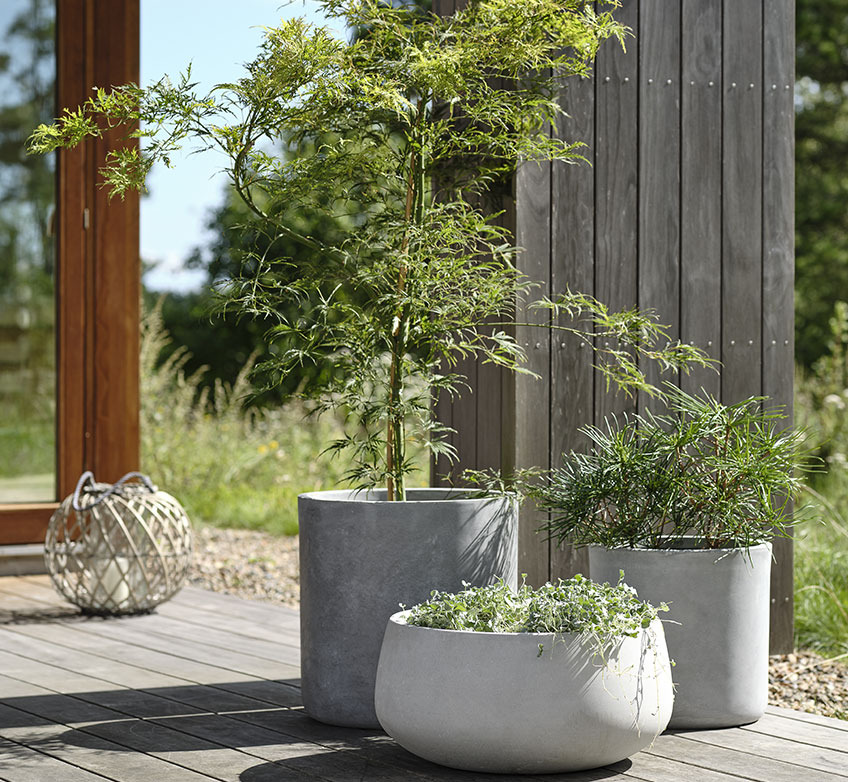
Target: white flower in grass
(835, 400)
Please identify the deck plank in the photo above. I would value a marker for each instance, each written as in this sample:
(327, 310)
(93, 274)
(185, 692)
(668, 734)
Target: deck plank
(688, 749)
(227, 749)
(65, 668)
(78, 706)
(276, 747)
(14, 608)
(812, 719)
(809, 734)
(376, 747)
(655, 768)
(285, 649)
(278, 624)
(176, 697)
(197, 649)
(217, 760)
(123, 646)
(89, 752)
(113, 662)
(67, 709)
(238, 626)
(230, 605)
(196, 607)
(776, 748)
(19, 763)
(207, 687)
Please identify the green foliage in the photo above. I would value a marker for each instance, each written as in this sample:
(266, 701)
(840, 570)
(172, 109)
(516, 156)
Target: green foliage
(26, 444)
(410, 131)
(821, 178)
(821, 577)
(27, 250)
(223, 341)
(821, 397)
(227, 465)
(604, 612)
(27, 185)
(821, 550)
(621, 339)
(723, 474)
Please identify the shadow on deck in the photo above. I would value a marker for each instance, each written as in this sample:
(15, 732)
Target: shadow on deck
(207, 688)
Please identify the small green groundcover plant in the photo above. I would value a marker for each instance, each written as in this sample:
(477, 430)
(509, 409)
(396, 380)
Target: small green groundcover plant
(604, 612)
(721, 475)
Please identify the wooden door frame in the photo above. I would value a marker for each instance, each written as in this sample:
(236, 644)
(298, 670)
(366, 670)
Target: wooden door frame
(98, 284)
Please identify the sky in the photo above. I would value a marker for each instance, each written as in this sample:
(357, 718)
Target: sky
(217, 37)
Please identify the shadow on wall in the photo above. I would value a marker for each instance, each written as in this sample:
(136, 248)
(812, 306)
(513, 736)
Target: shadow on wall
(494, 542)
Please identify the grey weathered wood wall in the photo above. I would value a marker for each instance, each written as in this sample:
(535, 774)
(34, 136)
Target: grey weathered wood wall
(687, 209)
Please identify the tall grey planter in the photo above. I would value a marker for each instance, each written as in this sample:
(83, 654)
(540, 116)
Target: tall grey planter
(720, 598)
(360, 557)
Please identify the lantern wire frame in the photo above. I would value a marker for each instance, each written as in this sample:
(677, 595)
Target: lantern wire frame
(122, 548)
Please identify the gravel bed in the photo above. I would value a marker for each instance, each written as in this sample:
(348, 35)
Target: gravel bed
(259, 566)
(806, 681)
(245, 563)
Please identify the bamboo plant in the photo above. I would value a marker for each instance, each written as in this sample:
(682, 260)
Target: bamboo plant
(409, 131)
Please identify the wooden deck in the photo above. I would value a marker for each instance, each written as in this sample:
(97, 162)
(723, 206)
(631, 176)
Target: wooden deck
(207, 688)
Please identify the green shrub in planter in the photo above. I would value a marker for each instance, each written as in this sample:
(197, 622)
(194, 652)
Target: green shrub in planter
(604, 612)
(721, 474)
(685, 503)
(569, 676)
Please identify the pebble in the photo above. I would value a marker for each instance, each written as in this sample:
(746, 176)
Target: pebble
(259, 566)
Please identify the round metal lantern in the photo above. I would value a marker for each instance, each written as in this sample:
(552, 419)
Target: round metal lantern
(118, 548)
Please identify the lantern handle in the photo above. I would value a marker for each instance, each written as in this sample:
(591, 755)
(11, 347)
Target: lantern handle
(115, 488)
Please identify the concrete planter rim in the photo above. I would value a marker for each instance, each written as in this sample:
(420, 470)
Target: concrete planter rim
(692, 550)
(439, 495)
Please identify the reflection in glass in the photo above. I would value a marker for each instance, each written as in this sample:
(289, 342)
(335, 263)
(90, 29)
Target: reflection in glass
(27, 255)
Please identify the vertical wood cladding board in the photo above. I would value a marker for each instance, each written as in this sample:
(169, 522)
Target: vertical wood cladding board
(686, 208)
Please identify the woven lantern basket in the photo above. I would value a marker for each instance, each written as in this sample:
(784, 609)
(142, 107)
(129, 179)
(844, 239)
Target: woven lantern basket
(118, 548)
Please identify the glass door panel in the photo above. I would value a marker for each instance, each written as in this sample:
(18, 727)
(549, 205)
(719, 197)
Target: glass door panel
(27, 255)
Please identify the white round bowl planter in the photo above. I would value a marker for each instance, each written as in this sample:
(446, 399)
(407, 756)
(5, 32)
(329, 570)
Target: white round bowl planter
(522, 702)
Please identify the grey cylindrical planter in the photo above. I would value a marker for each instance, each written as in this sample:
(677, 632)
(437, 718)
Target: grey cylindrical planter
(720, 597)
(360, 557)
(496, 702)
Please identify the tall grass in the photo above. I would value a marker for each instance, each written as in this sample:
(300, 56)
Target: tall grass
(821, 550)
(227, 465)
(821, 582)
